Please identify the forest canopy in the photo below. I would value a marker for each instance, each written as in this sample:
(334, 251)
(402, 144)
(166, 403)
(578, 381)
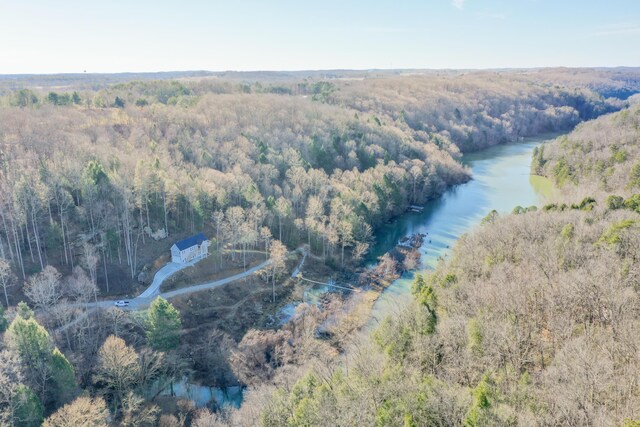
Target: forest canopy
(168, 154)
(96, 174)
(533, 320)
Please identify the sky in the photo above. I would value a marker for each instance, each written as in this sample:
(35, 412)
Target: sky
(74, 36)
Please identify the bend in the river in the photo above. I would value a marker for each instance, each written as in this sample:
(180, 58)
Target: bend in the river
(501, 180)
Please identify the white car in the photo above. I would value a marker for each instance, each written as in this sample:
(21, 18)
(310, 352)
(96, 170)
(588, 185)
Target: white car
(122, 303)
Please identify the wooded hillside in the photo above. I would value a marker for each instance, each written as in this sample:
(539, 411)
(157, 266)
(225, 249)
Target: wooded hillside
(322, 161)
(92, 181)
(603, 155)
(534, 320)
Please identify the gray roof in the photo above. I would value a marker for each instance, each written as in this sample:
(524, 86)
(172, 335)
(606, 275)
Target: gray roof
(191, 241)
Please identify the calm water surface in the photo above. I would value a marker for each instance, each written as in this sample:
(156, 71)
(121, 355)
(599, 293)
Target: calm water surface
(501, 181)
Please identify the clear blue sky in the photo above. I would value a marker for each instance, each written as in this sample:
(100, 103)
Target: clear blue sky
(47, 36)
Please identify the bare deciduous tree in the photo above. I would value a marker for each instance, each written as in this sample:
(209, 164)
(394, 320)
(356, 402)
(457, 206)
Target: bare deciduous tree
(118, 368)
(84, 411)
(44, 288)
(7, 278)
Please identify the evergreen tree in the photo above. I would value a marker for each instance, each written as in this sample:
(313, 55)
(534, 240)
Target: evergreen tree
(428, 299)
(28, 411)
(63, 377)
(53, 98)
(634, 176)
(24, 311)
(45, 367)
(490, 218)
(418, 284)
(163, 325)
(615, 202)
(29, 340)
(24, 98)
(3, 320)
(119, 102)
(475, 338)
(480, 412)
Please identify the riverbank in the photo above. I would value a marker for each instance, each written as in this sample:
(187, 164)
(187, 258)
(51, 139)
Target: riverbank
(501, 180)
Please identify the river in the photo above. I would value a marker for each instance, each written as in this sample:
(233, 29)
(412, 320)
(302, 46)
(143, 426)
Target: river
(501, 180)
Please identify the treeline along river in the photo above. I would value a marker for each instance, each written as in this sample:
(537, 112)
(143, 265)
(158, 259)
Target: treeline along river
(501, 180)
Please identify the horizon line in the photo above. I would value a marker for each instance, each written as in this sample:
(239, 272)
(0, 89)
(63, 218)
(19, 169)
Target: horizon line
(317, 70)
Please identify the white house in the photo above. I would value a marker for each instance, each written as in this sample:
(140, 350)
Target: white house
(190, 249)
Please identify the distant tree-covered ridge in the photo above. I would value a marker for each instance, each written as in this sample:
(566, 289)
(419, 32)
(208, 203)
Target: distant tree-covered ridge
(603, 154)
(324, 161)
(533, 320)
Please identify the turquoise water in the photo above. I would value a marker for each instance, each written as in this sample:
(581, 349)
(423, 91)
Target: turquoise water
(501, 181)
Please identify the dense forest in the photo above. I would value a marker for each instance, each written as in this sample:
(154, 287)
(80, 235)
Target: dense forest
(322, 161)
(602, 155)
(96, 182)
(532, 321)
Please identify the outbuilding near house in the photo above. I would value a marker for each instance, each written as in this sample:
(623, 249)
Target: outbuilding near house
(190, 249)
